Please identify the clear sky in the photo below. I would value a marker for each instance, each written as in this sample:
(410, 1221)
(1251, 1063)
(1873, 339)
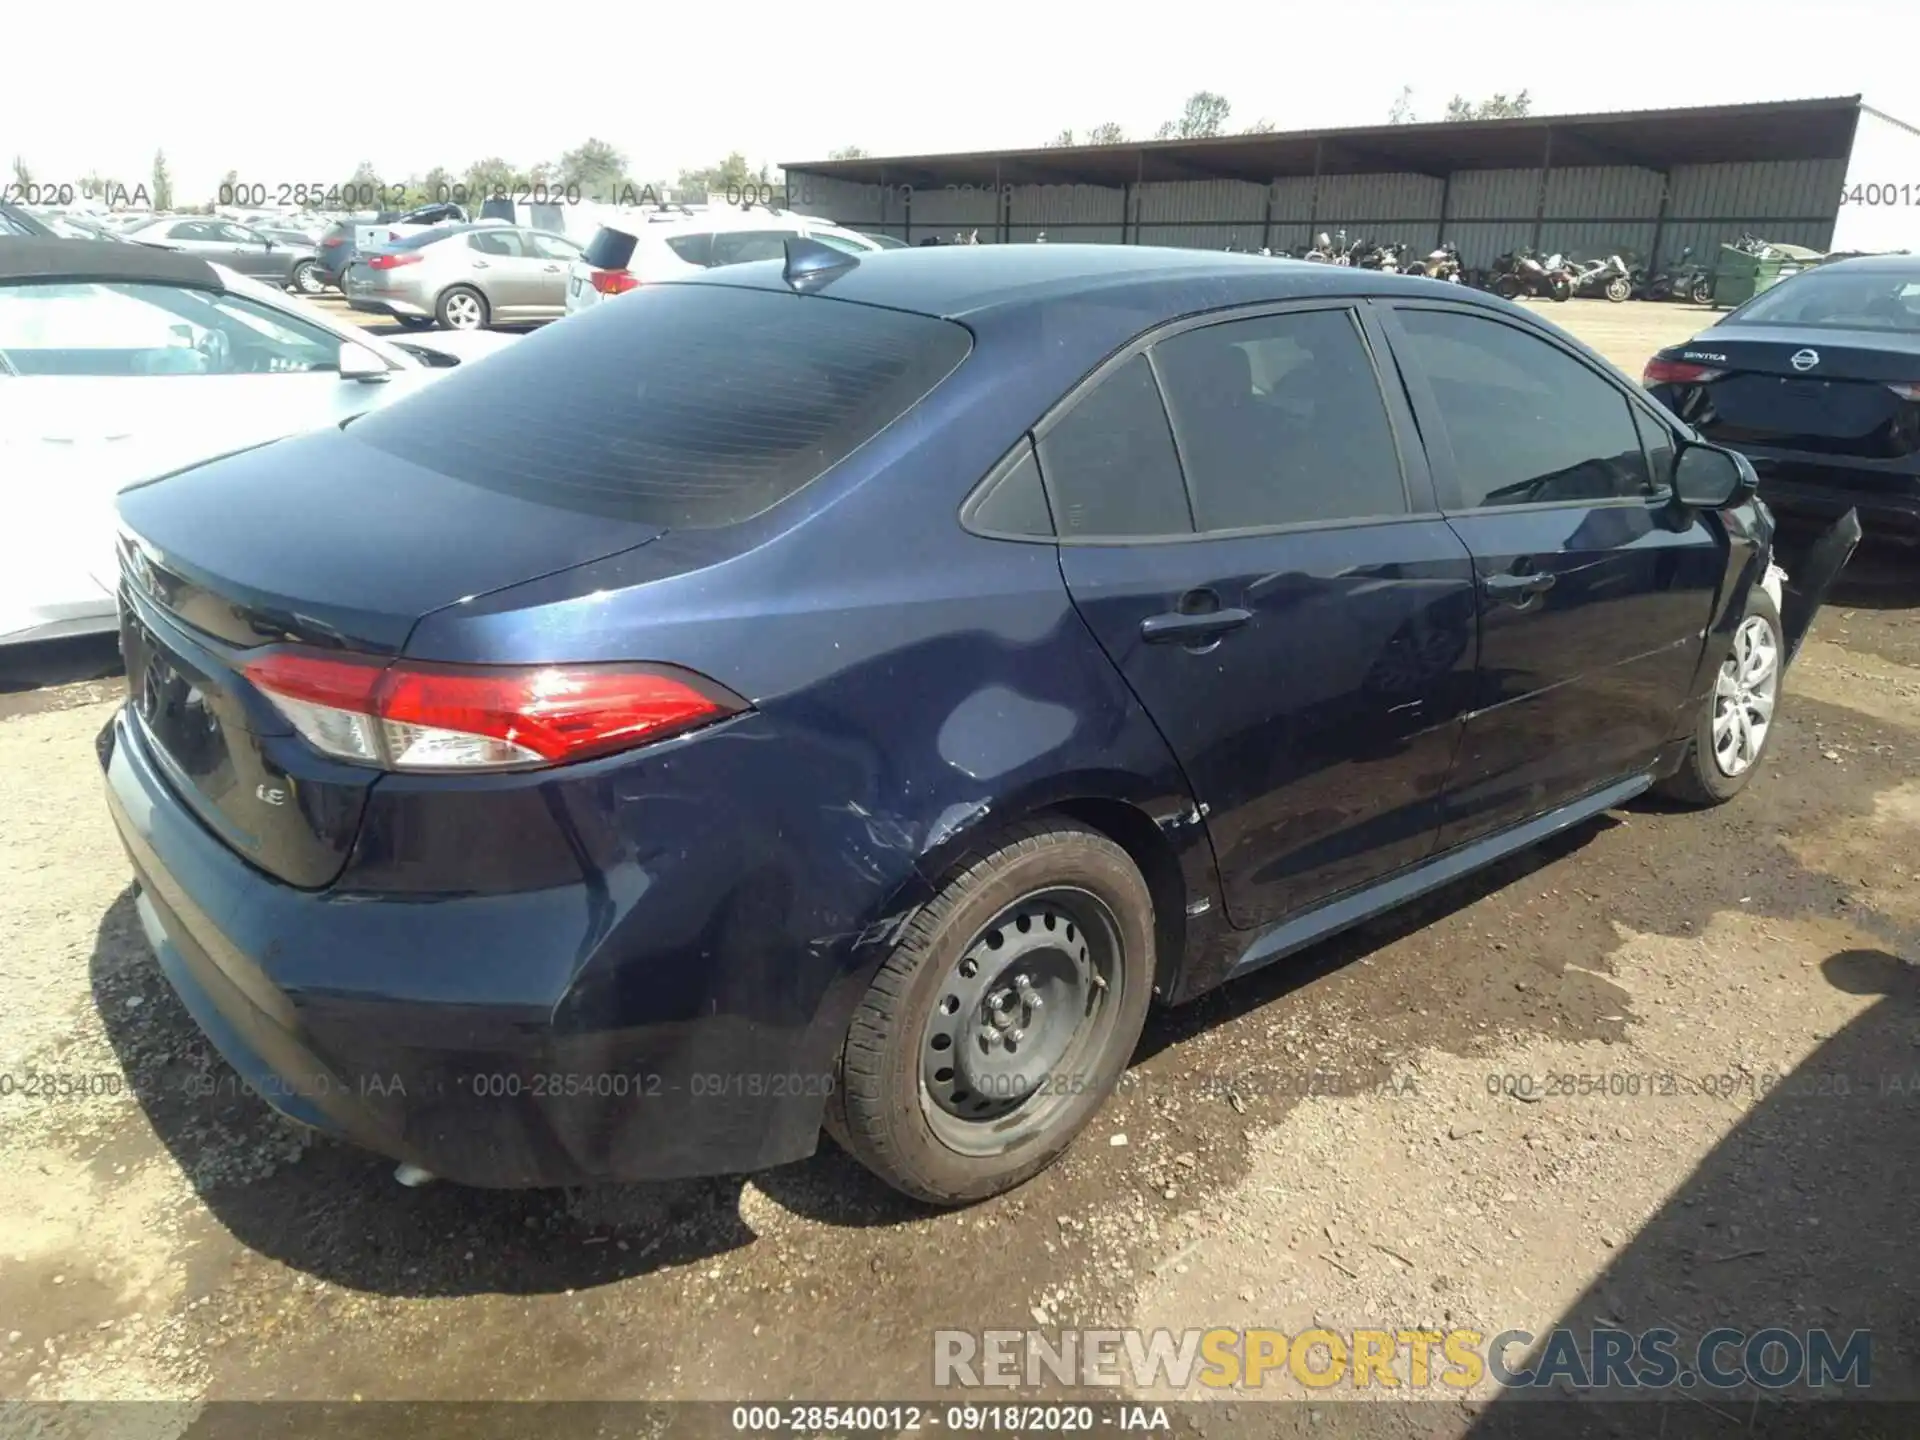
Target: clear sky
(284, 95)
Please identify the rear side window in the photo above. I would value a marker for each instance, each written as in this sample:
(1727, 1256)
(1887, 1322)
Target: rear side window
(1280, 421)
(694, 249)
(610, 249)
(684, 406)
(1014, 502)
(1109, 463)
(742, 247)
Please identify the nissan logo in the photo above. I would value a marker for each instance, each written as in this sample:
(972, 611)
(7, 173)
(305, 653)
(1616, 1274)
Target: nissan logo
(1804, 359)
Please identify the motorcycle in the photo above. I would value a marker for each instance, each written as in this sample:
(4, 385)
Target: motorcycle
(1367, 255)
(1686, 279)
(1521, 272)
(1609, 277)
(1330, 249)
(1440, 264)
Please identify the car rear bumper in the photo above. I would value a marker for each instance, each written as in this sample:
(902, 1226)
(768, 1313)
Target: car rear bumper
(429, 1030)
(376, 304)
(1824, 487)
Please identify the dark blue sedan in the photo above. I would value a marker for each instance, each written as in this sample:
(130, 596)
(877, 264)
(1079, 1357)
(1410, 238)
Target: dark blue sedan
(851, 691)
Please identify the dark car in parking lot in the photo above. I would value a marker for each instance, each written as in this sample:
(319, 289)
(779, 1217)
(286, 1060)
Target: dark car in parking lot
(1817, 381)
(850, 691)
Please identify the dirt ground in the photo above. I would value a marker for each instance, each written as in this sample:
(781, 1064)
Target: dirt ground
(1341, 1140)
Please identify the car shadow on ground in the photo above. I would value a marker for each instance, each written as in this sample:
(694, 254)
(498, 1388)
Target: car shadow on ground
(1801, 1218)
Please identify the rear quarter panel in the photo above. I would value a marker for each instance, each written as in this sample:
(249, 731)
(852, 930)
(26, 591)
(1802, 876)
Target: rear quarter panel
(915, 689)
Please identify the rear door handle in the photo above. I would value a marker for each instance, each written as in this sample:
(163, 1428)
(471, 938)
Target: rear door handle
(1187, 629)
(1518, 587)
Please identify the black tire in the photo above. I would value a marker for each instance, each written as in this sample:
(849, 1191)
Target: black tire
(453, 295)
(411, 322)
(306, 278)
(1559, 287)
(1701, 779)
(1508, 286)
(882, 1111)
(1619, 290)
(1702, 292)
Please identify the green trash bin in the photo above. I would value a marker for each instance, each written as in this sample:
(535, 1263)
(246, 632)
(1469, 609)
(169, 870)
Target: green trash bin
(1740, 276)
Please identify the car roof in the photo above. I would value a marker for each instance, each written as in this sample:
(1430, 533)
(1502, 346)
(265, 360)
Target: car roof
(1902, 264)
(957, 281)
(56, 259)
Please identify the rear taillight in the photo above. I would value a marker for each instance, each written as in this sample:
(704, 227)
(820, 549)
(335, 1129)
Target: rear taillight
(390, 262)
(1678, 372)
(615, 282)
(408, 715)
(1905, 389)
(331, 242)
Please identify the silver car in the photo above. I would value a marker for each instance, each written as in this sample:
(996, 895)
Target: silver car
(466, 277)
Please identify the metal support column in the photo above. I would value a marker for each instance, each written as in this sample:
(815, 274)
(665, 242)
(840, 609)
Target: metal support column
(1660, 221)
(1546, 171)
(1266, 223)
(1001, 205)
(1313, 205)
(1126, 210)
(1446, 204)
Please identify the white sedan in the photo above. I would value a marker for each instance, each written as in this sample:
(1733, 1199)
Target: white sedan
(119, 363)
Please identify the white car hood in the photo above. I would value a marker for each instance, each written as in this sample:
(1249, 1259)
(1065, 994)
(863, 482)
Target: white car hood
(464, 346)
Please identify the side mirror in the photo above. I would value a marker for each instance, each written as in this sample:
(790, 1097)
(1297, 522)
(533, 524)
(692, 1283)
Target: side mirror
(359, 363)
(1707, 477)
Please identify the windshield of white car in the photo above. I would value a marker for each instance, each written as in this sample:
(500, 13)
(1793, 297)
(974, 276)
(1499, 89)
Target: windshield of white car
(83, 328)
(1837, 300)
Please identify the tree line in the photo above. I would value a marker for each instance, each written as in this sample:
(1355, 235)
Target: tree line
(1207, 112)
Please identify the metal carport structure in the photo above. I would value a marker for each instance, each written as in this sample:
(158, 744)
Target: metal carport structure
(1648, 181)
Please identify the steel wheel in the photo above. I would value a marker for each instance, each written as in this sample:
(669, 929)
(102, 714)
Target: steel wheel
(1018, 1017)
(1743, 696)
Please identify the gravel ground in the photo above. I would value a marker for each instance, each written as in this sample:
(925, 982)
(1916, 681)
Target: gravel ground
(1332, 1140)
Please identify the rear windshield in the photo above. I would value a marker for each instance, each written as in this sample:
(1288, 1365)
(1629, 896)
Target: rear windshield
(610, 249)
(685, 406)
(1838, 299)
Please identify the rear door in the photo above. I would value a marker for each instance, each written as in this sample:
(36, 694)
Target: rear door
(502, 267)
(249, 252)
(556, 256)
(1594, 590)
(1261, 557)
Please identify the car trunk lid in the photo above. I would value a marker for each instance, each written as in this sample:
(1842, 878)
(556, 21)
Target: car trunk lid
(318, 541)
(1844, 393)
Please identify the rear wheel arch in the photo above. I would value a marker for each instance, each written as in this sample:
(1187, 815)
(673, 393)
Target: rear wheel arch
(1125, 823)
(1146, 844)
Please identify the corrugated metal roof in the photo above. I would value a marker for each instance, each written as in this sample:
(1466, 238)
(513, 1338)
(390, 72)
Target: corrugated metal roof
(1817, 129)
